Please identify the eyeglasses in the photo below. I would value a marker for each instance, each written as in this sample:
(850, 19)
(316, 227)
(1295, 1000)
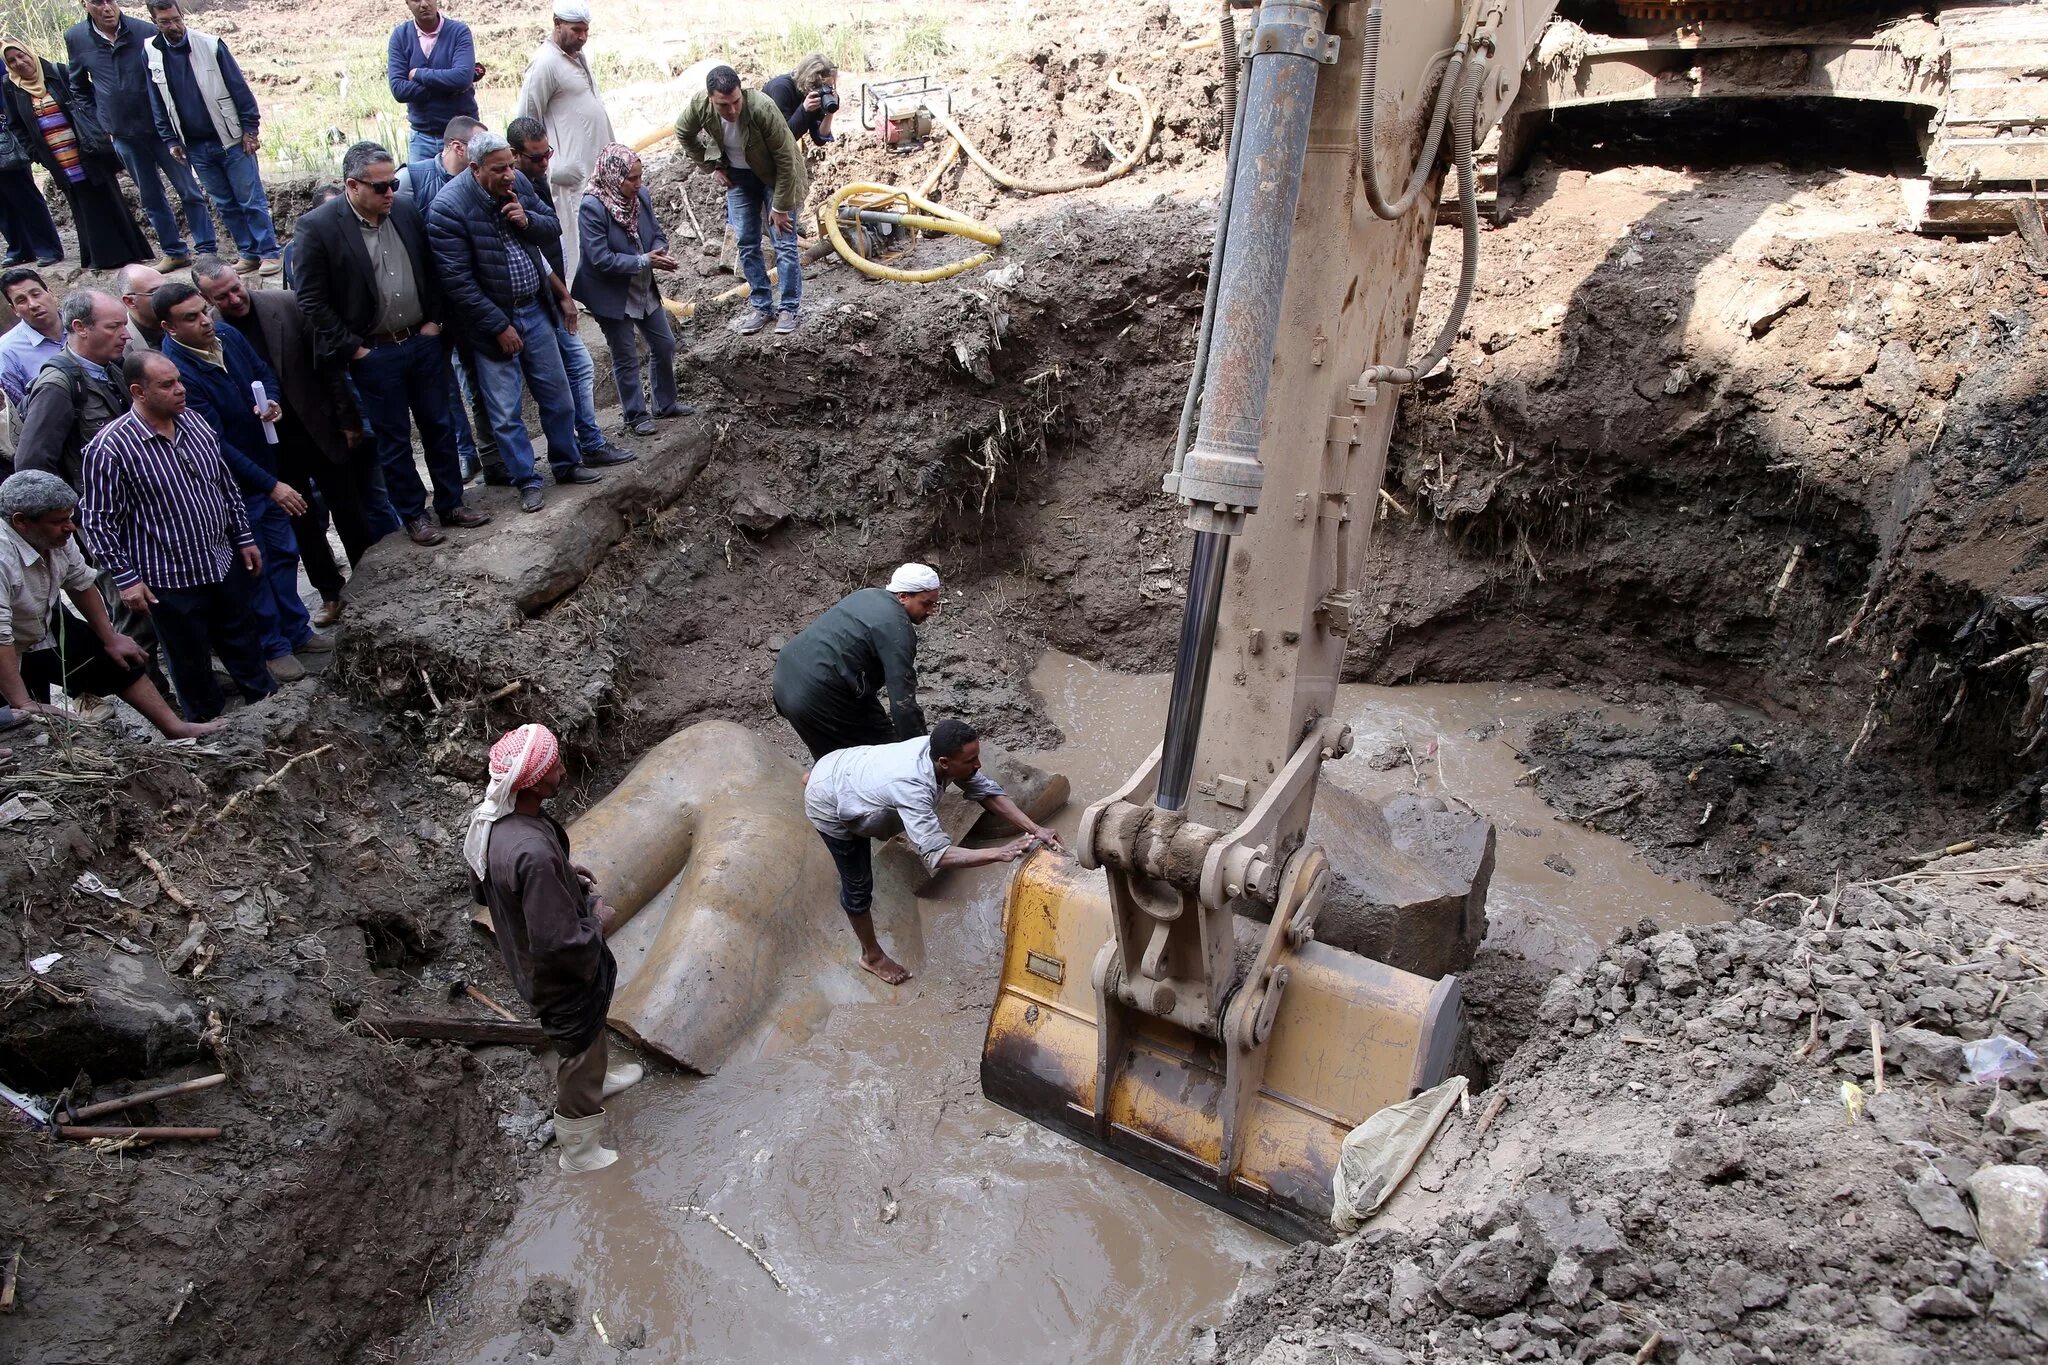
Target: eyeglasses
(379, 186)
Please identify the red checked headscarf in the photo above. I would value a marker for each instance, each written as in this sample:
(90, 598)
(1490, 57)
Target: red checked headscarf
(519, 759)
(608, 183)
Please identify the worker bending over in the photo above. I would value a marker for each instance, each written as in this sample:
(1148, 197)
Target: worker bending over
(872, 791)
(827, 677)
(551, 925)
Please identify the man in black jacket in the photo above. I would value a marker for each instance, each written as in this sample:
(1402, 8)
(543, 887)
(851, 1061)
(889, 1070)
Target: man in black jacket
(322, 446)
(368, 287)
(78, 390)
(487, 245)
(827, 677)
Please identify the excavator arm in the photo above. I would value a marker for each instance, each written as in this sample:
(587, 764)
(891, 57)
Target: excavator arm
(1174, 1011)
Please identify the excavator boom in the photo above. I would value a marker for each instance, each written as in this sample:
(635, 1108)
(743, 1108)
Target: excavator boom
(1166, 1002)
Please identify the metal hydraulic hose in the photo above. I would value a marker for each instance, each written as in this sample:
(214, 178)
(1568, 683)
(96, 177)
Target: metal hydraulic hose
(1222, 468)
(1462, 122)
(1191, 668)
(1368, 98)
(1230, 129)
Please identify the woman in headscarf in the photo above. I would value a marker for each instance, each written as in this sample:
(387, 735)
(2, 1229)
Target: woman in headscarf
(808, 97)
(622, 247)
(62, 137)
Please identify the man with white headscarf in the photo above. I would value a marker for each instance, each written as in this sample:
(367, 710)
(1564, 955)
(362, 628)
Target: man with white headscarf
(560, 90)
(550, 924)
(826, 679)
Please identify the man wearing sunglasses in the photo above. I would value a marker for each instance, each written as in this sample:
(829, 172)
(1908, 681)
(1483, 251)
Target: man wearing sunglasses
(367, 285)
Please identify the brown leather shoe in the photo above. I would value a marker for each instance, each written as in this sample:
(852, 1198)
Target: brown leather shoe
(329, 613)
(465, 516)
(422, 532)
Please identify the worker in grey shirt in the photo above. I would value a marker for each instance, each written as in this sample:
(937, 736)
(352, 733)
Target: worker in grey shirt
(872, 791)
(827, 677)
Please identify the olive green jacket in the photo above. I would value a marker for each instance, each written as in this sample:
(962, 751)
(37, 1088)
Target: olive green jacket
(772, 151)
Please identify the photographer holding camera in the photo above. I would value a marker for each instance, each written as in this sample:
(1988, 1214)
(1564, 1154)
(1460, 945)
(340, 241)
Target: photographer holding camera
(808, 97)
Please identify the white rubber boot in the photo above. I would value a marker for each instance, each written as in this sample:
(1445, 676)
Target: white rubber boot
(582, 1144)
(625, 1077)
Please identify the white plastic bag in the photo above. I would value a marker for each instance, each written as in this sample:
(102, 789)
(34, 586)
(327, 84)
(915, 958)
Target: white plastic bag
(1380, 1152)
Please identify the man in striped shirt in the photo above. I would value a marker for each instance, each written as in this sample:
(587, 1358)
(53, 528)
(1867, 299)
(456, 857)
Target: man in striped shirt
(164, 516)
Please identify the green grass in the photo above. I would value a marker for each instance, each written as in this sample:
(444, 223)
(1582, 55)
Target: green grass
(922, 40)
(39, 23)
(845, 44)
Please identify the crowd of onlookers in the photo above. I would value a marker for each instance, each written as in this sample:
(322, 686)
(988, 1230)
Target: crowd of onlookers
(182, 447)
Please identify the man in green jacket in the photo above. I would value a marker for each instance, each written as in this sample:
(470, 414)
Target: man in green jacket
(827, 678)
(742, 135)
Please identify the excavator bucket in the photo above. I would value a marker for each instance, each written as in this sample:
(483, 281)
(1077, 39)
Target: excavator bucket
(1351, 1036)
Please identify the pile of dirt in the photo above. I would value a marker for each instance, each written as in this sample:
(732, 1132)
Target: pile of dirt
(305, 863)
(1746, 803)
(1730, 426)
(1694, 1160)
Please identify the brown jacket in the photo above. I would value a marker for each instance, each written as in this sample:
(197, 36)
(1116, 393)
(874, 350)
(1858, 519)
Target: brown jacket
(547, 929)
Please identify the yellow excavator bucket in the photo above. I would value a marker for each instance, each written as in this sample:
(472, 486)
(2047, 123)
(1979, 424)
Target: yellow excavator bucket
(1351, 1036)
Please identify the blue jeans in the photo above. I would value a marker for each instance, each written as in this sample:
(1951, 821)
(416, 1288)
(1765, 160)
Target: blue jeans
(25, 218)
(144, 158)
(623, 336)
(281, 618)
(539, 364)
(582, 372)
(856, 863)
(747, 205)
(229, 175)
(424, 147)
(462, 401)
(214, 616)
(411, 377)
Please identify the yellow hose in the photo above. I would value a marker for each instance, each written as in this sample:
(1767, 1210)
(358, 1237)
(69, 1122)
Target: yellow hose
(1148, 124)
(933, 218)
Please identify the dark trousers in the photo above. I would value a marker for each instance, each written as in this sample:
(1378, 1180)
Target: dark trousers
(310, 528)
(856, 863)
(25, 218)
(825, 732)
(404, 378)
(623, 335)
(75, 661)
(215, 618)
(579, 1080)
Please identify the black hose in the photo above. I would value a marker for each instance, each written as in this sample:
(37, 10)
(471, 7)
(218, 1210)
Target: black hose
(1468, 202)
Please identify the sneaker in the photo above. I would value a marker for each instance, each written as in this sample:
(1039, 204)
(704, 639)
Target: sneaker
(286, 669)
(166, 263)
(422, 532)
(579, 474)
(785, 325)
(247, 265)
(47, 261)
(609, 454)
(644, 427)
(329, 613)
(750, 322)
(530, 499)
(679, 410)
(272, 266)
(319, 642)
(12, 259)
(465, 517)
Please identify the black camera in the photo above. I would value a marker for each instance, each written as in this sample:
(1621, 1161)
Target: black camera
(828, 99)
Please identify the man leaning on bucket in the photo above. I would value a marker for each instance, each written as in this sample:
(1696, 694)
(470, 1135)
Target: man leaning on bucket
(550, 925)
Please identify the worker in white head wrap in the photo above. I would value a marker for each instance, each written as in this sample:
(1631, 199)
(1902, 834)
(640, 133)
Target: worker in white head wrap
(827, 678)
(550, 924)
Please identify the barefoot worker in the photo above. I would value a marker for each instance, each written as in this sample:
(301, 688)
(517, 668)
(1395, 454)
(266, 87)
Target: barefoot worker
(550, 925)
(872, 791)
(827, 677)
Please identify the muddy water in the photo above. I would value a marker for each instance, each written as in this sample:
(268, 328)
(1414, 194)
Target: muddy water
(1559, 890)
(1005, 1241)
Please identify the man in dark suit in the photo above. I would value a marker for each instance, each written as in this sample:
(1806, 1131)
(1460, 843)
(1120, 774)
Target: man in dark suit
(367, 287)
(322, 446)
